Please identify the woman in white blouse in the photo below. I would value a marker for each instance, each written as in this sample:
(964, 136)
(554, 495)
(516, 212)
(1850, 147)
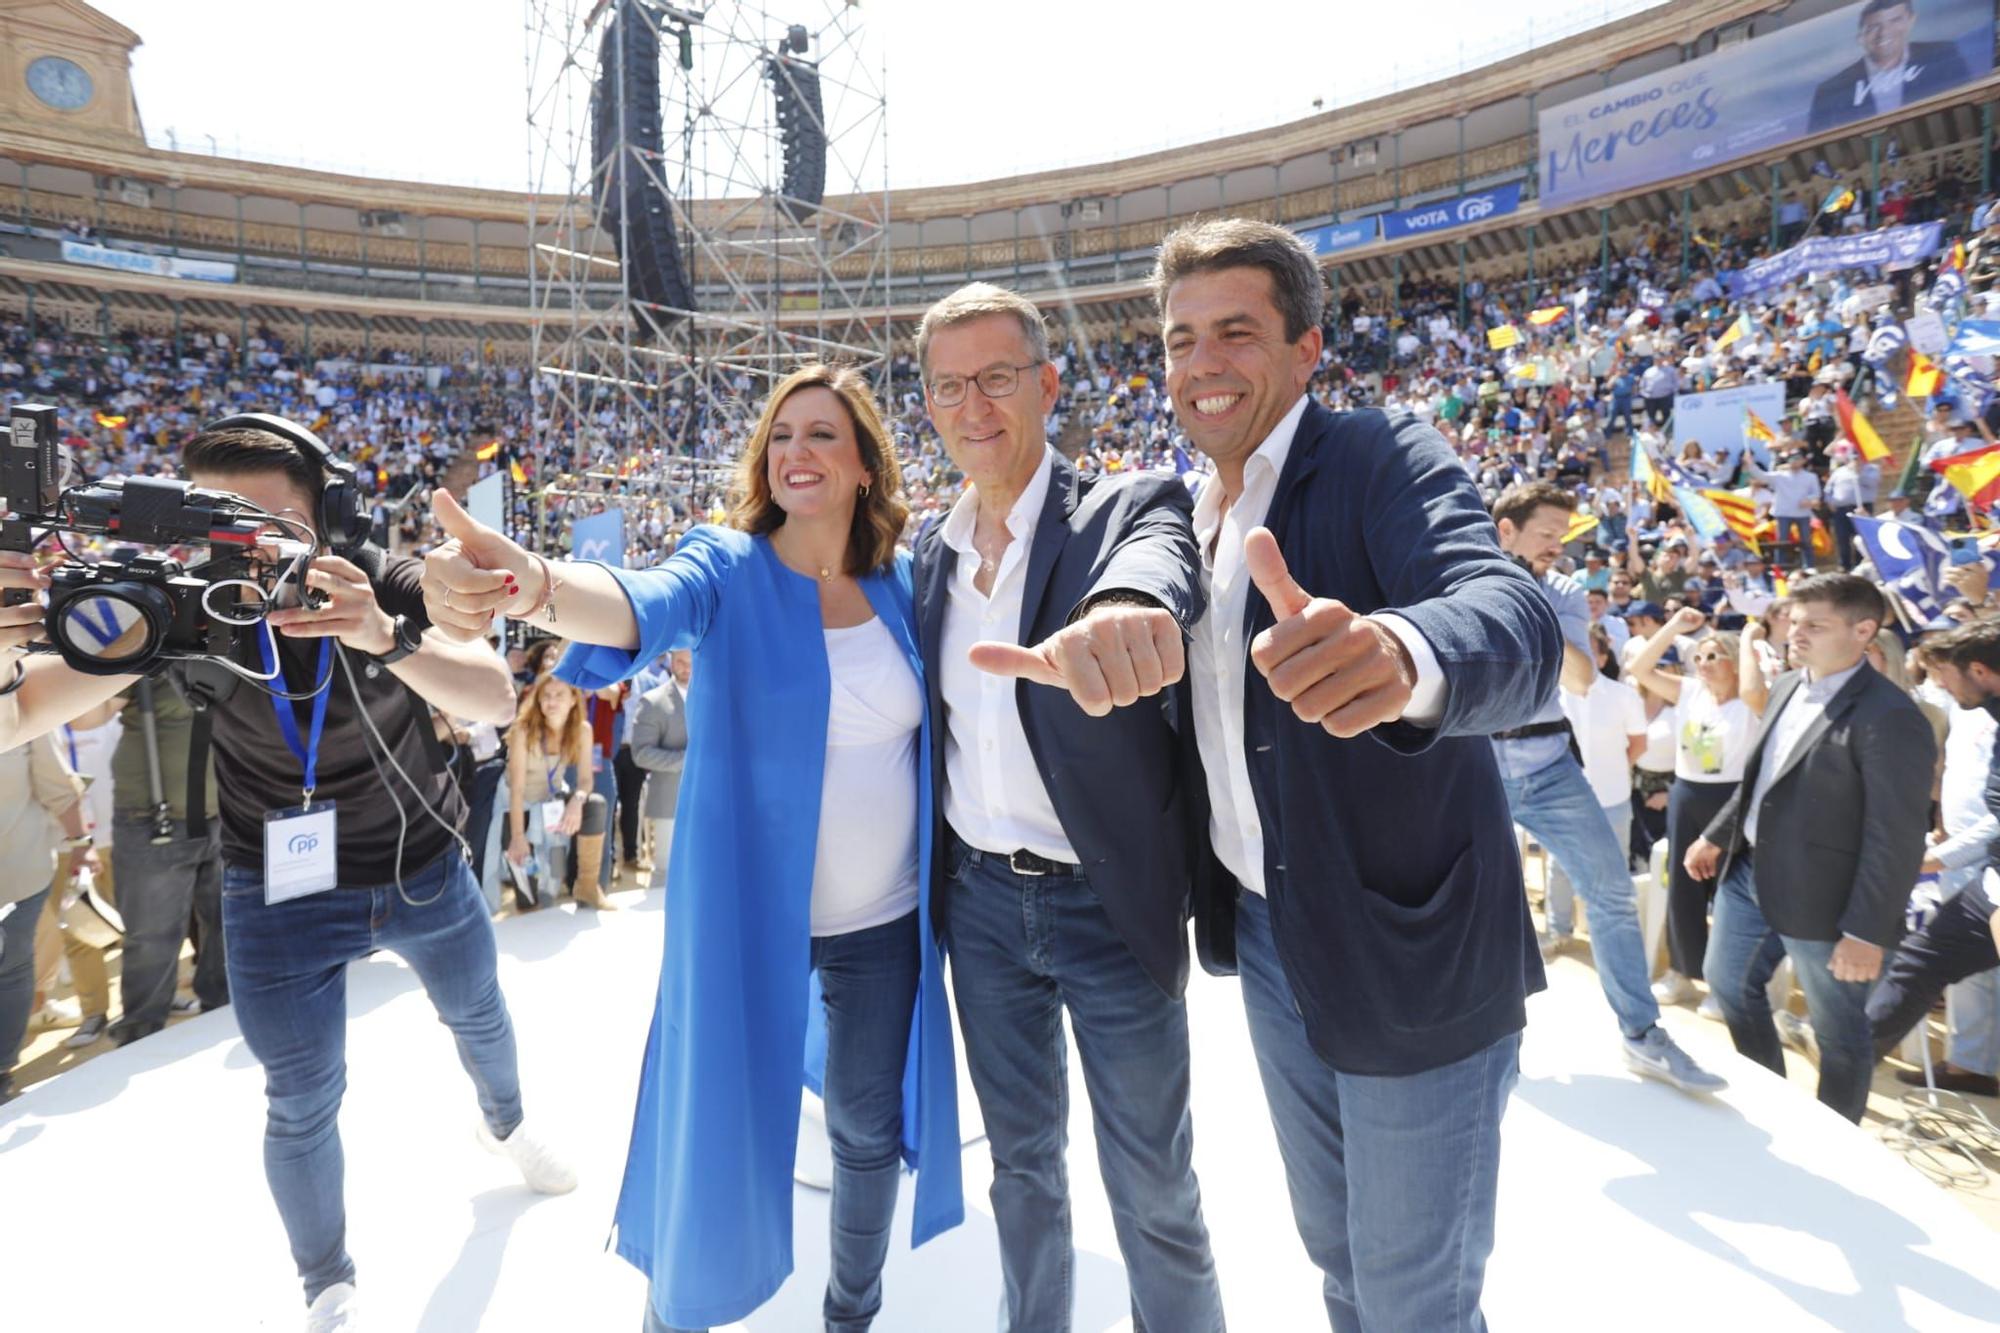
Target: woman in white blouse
(1714, 728)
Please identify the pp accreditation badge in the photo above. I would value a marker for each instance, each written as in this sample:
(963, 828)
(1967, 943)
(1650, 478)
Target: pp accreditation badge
(299, 852)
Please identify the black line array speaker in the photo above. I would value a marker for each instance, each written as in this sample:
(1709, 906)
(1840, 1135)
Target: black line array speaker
(801, 130)
(629, 57)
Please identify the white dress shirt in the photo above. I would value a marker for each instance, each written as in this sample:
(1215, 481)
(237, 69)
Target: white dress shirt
(994, 796)
(1969, 825)
(1806, 706)
(1219, 658)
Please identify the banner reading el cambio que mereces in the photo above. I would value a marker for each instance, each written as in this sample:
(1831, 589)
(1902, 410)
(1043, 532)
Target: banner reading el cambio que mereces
(1857, 62)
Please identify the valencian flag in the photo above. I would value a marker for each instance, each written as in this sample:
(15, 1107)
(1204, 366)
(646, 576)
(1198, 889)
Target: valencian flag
(1649, 476)
(488, 451)
(1925, 376)
(1502, 337)
(1856, 427)
(1740, 328)
(1580, 526)
(111, 421)
(1756, 428)
(1547, 315)
(1975, 473)
(1738, 513)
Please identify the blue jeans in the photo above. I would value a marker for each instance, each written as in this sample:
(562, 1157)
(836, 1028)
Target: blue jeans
(288, 984)
(868, 985)
(1743, 952)
(17, 981)
(1024, 948)
(1562, 893)
(1557, 806)
(1393, 1180)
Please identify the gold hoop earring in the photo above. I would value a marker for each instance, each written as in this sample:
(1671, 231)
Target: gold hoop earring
(864, 490)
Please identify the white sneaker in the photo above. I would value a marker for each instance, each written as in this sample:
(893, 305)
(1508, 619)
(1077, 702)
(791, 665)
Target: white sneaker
(1674, 988)
(540, 1168)
(336, 1310)
(1710, 1007)
(60, 1014)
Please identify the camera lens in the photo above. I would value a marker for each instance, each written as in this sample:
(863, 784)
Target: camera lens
(114, 628)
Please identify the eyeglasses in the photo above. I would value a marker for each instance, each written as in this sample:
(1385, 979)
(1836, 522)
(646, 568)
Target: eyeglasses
(994, 382)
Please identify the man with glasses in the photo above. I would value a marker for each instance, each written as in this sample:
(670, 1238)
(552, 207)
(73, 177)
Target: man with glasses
(1066, 842)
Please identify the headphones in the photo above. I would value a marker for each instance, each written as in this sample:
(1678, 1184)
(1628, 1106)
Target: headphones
(343, 511)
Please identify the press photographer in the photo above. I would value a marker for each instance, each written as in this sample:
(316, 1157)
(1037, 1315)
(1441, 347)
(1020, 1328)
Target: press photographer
(341, 826)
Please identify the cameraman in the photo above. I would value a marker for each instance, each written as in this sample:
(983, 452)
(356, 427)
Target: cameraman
(358, 742)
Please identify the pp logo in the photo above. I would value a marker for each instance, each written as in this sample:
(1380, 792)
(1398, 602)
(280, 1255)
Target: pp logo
(303, 844)
(1475, 208)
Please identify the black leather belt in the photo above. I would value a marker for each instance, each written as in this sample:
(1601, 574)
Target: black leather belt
(1531, 730)
(1025, 862)
(1021, 861)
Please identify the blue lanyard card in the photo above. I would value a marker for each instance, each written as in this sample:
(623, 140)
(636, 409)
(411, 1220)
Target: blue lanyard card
(300, 855)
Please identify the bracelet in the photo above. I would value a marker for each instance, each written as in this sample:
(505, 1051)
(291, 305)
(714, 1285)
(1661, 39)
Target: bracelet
(549, 585)
(20, 675)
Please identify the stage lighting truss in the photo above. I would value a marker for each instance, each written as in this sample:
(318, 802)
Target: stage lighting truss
(771, 162)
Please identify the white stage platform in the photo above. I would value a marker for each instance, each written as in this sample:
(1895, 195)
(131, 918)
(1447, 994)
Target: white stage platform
(132, 1193)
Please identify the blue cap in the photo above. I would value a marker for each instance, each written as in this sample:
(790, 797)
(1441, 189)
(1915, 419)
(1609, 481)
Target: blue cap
(1653, 609)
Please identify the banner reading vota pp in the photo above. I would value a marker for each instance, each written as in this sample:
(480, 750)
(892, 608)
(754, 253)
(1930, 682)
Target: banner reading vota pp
(1448, 213)
(1856, 62)
(1338, 236)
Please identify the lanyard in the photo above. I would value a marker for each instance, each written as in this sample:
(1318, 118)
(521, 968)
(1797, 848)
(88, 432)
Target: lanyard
(69, 739)
(288, 723)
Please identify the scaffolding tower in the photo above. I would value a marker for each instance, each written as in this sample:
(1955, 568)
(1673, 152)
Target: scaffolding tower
(708, 210)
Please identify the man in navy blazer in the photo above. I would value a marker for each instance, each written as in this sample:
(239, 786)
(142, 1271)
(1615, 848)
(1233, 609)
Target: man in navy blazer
(1051, 611)
(1364, 636)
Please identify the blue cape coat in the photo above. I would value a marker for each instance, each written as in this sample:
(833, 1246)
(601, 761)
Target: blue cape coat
(705, 1210)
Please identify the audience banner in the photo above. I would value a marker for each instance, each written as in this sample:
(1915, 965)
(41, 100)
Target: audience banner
(1338, 236)
(1717, 419)
(1448, 213)
(600, 537)
(160, 266)
(1891, 248)
(1755, 95)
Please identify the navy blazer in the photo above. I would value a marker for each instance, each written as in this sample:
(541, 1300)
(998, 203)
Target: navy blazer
(1390, 865)
(1115, 781)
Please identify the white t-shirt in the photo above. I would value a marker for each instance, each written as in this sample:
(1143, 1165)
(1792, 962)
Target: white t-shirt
(1603, 719)
(1660, 743)
(865, 867)
(1714, 739)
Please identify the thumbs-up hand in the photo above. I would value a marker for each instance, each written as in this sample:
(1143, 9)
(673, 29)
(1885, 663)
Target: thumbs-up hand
(1114, 656)
(477, 572)
(1345, 672)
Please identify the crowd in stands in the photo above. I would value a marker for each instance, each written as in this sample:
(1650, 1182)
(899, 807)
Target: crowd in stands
(1570, 379)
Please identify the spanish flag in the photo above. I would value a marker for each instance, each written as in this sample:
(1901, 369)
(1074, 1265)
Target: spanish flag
(111, 421)
(1548, 314)
(520, 477)
(1740, 328)
(1975, 473)
(488, 451)
(1925, 377)
(1857, 428)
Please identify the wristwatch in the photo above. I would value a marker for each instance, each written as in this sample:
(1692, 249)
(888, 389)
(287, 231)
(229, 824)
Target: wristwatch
(409, 638)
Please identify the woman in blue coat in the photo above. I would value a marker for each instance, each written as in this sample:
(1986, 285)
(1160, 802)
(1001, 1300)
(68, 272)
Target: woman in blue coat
(800, 853)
